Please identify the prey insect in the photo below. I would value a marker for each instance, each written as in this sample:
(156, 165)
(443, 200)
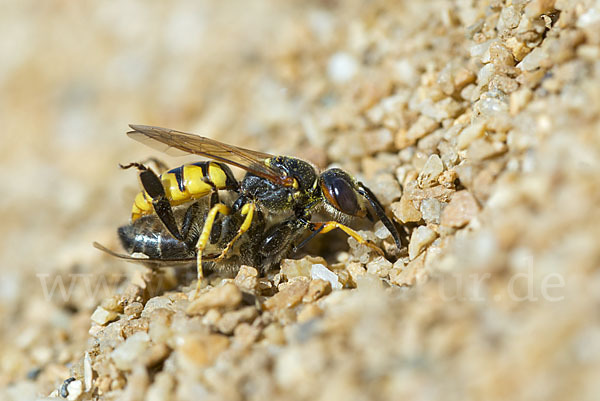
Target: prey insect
(265, 214)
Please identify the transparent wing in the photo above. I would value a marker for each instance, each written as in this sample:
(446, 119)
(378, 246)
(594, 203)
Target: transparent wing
(154, 263)
(178, 143)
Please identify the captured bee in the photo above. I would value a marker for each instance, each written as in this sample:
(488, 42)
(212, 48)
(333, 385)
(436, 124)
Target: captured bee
(258, 220)
(264, 244)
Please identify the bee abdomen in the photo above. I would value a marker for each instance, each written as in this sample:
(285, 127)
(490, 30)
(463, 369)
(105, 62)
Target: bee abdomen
(151, 243)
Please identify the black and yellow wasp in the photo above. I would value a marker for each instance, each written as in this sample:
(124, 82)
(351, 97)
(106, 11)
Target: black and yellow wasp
(261, 217)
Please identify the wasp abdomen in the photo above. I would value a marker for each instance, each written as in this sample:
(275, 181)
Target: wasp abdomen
(187, 182)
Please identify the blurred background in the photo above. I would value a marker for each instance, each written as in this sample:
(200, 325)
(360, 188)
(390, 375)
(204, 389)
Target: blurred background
(73, 75)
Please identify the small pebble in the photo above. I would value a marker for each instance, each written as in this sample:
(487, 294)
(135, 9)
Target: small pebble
(469, 134)
(316, 289)
(161, 302)
(519, 99)
(407, 275)
(155, 355)
(448, 179)
(247, 278)
(211, 317)
(386, 188)
(226, 296)
(482, 149)
(246, 334)
(463, 77)
(535, 8)
(102, 316)
(534, 60)
(230, 320)
(430, 172)
(130, 351)
(74, 390)
(88, 373)
(381, 230)
(379, 266)
(423, 126)
(431, 210)
(420, 238)
(509, 18)
(461, 209)
(288, 297)
(501, 55)
(134, 309)
(162, 387)
(159, 328)
(355, 269)
(274, 334)
(291, 268)
(368, 283)
(341, 67)
(378, 140)
(199, 350)
(309, 312)
(112, 304)
(405, 211)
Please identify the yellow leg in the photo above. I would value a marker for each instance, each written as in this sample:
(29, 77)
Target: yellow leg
(331, 225)
(248, 211)
(205, 237)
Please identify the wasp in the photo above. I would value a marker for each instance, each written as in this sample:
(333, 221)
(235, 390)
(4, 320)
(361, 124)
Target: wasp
(262, 216)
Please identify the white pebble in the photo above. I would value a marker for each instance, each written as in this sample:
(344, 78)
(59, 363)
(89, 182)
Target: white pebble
(491, 106)
(341, 67)
(431, 210)
(381, 230)
(485, 74)
(75, 388)
(157, 303)
(533, 60)
(480, 49)
(103, 316)
(319, 271)
(87, 372)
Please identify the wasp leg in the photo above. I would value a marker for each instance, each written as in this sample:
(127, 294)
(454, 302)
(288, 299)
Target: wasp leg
(325, 227)
(160, 203)
(154, 188)
(216, 231)
(204, 238)
(248, 211)
(139, 166)
(370, 196)
(277, 241)
(161, 166)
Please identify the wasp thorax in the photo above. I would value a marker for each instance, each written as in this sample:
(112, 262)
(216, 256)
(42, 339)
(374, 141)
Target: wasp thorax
(301, 171)
(340, 192)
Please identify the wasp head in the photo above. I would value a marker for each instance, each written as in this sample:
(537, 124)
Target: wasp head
(345, 196)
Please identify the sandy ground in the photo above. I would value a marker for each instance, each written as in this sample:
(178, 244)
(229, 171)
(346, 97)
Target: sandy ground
(476, 124)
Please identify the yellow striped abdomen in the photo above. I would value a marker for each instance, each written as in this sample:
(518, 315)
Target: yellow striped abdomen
(185, 183)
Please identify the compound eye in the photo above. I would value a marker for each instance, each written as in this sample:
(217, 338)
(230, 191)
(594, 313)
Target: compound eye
(341, 195)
